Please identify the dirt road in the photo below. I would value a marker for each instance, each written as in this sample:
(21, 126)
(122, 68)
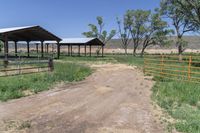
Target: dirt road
(114, 99)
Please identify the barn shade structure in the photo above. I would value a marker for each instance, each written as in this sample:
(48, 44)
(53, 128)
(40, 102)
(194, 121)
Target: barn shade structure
(82, 42)
(27, 34)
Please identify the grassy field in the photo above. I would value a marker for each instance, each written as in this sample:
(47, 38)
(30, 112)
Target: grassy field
(19, 86)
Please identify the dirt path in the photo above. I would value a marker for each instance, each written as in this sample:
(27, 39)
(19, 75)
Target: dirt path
(115, 99)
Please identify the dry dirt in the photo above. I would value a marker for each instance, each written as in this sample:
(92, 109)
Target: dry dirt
(114, 99)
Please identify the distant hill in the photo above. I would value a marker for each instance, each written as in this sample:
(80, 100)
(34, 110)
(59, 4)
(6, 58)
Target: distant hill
(193, 43)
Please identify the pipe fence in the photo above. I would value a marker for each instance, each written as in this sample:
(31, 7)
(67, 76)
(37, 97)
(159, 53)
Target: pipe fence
(173, 67)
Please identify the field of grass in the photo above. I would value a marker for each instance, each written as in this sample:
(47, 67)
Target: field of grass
(17, 86)
(108, 58)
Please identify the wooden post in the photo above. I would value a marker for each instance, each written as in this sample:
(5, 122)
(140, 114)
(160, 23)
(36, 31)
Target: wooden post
(71, 50)
(58, 49)
(144, 67)
(42, 48)
(47, 48)
(37, 48)
(52, 47)
(162, 66)
(85, 50)
(90, 50)
(68, 50)
(79, 50)
(28, 48)
(51, 65)
(6, 48)
(16, 48)
(189, 67)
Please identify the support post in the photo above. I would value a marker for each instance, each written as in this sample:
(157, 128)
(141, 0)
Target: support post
(51, 65)
(90, 50)
(58, 49)
(42, 48)
(79, 50)
(47, 48)
(68, 50)
(28, 48)
(6, 48)
(189, 68)
(16, 48)
(71, 50)
(37, 48)
(85, 50)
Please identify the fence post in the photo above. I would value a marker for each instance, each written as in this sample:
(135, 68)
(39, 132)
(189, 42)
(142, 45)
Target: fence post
(189, 67)
(161, 65)
(144, 67)
(51, 66)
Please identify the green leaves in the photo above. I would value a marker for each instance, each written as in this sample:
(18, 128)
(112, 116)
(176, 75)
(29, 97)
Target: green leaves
(99, 32)
(183, 17)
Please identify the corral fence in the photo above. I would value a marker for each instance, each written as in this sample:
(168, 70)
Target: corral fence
(21, 65)
(172, 67)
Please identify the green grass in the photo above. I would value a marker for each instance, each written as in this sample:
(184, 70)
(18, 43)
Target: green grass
(14, 87)
(108, 58)
(182, 101)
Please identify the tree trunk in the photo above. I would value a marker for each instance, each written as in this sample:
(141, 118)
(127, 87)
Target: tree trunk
(142, 52)
(180, 50)
(125, 51)
(134, 51)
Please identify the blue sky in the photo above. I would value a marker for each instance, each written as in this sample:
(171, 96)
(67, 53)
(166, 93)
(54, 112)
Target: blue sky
(67, 18)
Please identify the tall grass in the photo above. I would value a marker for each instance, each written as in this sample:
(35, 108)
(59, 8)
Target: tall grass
(182, 101)
(16, 86)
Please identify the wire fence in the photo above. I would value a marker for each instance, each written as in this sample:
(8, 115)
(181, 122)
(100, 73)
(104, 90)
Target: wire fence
(21, 65)
(173, 67)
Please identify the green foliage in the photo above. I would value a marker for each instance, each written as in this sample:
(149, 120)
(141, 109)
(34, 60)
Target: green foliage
(190, 9)
(99, 32)
(156, 32)
(182, 24)
(137, 21)
(15, 87)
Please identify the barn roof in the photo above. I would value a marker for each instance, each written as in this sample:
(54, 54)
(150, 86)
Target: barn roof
(81, 41)
(76, 40)
(27, 33)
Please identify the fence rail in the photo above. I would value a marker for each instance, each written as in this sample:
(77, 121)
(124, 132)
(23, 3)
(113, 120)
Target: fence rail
(20, 65)
(172, 67)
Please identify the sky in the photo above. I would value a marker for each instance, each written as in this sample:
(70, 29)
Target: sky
(67, 18)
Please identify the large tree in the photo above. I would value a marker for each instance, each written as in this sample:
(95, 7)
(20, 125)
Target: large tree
(98, 31)
(172, 10)
(137, 21)
(124, 33)
(191, 9)
(156, 32)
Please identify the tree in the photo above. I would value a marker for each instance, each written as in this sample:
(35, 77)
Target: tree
(137, 20)
(191, 9)
(99, 32)
(172, 10)
(156, 32)
(124, 33)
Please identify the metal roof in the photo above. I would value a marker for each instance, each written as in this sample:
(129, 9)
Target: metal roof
(27, 33)
(5, 30)
(76, 40)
